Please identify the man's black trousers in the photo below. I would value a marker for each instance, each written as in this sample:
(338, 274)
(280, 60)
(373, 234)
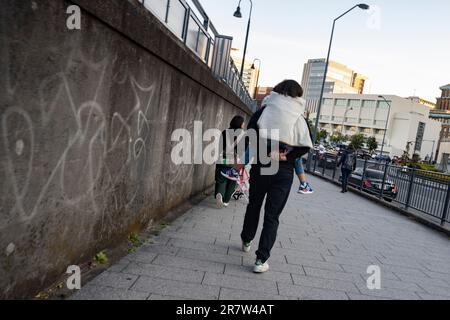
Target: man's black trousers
(277, 189)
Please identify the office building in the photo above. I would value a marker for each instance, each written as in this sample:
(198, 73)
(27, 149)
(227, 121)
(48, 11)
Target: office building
(409, 123)
(340, 79)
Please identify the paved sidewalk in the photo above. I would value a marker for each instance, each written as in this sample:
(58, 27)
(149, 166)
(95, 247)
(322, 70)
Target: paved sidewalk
(325, 243)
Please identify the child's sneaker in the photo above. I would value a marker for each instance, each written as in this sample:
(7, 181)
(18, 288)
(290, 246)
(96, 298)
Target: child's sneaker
(231, 174)
(246, 247)
(305, 189)
(219, 201)
(261, 267)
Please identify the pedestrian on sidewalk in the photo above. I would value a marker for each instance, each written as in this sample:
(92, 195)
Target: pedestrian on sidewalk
(283, 110)
(347, 162)
(226, 174)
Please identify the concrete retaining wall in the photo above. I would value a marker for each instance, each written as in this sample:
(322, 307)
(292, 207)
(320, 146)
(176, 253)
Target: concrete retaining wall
(86, 119)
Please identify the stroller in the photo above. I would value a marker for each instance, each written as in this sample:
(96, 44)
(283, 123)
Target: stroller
(243, 186)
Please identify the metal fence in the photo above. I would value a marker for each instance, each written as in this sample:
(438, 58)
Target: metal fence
(417, 191)
(192, 26)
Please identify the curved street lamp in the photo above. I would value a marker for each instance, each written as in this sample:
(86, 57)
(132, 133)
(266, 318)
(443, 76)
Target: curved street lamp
(238, 14)
(257, 78)
(316, 127)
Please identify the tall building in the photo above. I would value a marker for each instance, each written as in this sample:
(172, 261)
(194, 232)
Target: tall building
(250, 76)
(408, 123)
(442, 114)
(340, 79)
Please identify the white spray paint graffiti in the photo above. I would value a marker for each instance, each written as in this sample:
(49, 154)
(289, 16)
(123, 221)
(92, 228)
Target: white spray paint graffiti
(95, 136)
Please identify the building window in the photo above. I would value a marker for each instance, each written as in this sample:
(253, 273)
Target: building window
(366, 122)
(327, 102)
(341, 102)
(380, 123)
(383, 105)
(369, 104)
(355, 103)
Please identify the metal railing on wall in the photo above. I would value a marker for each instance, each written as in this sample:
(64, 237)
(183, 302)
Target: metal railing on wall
(199, 35)
(417, 191)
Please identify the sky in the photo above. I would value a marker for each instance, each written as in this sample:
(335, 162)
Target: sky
(403, 46)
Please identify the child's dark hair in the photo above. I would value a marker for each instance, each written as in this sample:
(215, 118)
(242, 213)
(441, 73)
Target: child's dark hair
(237, 123)
(289, 88)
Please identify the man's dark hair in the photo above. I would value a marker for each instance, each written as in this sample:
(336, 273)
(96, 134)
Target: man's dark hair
(237, 123)
(289, 88)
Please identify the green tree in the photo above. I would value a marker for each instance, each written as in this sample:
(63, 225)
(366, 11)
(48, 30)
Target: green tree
(372, 144)
(323, 135)
(338, 138)
(357, 141)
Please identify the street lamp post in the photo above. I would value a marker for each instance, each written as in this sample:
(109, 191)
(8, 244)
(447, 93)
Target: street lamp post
(257, 78)
(432, 151)
(387, 122)
(238, 14)
(316, 127)
(345, 116)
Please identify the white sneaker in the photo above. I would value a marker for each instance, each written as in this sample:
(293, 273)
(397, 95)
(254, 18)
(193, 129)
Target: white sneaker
(246, 247)
(260, 267)
(219, 201)
(226, 205)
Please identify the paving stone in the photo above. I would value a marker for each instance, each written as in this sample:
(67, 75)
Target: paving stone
(233, 282)
(430, 297)
(207, 256)
(142, 256)
(207, 247)
(159, 297)
(308, 293)
(253, 295)
(247, 272)
(114, 280)
(391, 294)
(176, 288)
(332, 275)
(158, 249)
(361, 297)
(336, 285)
(436, 290)
(106, 293)
(314, 263)
(164, 272)
(185, 263)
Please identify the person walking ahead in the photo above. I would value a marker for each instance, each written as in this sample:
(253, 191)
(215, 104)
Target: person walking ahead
(348, 163)
(226, 175)
(283, 111)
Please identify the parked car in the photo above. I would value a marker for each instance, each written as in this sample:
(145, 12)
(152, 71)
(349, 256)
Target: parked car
(364, 155)
(372, 182)
(328, 160)
(383, 158)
